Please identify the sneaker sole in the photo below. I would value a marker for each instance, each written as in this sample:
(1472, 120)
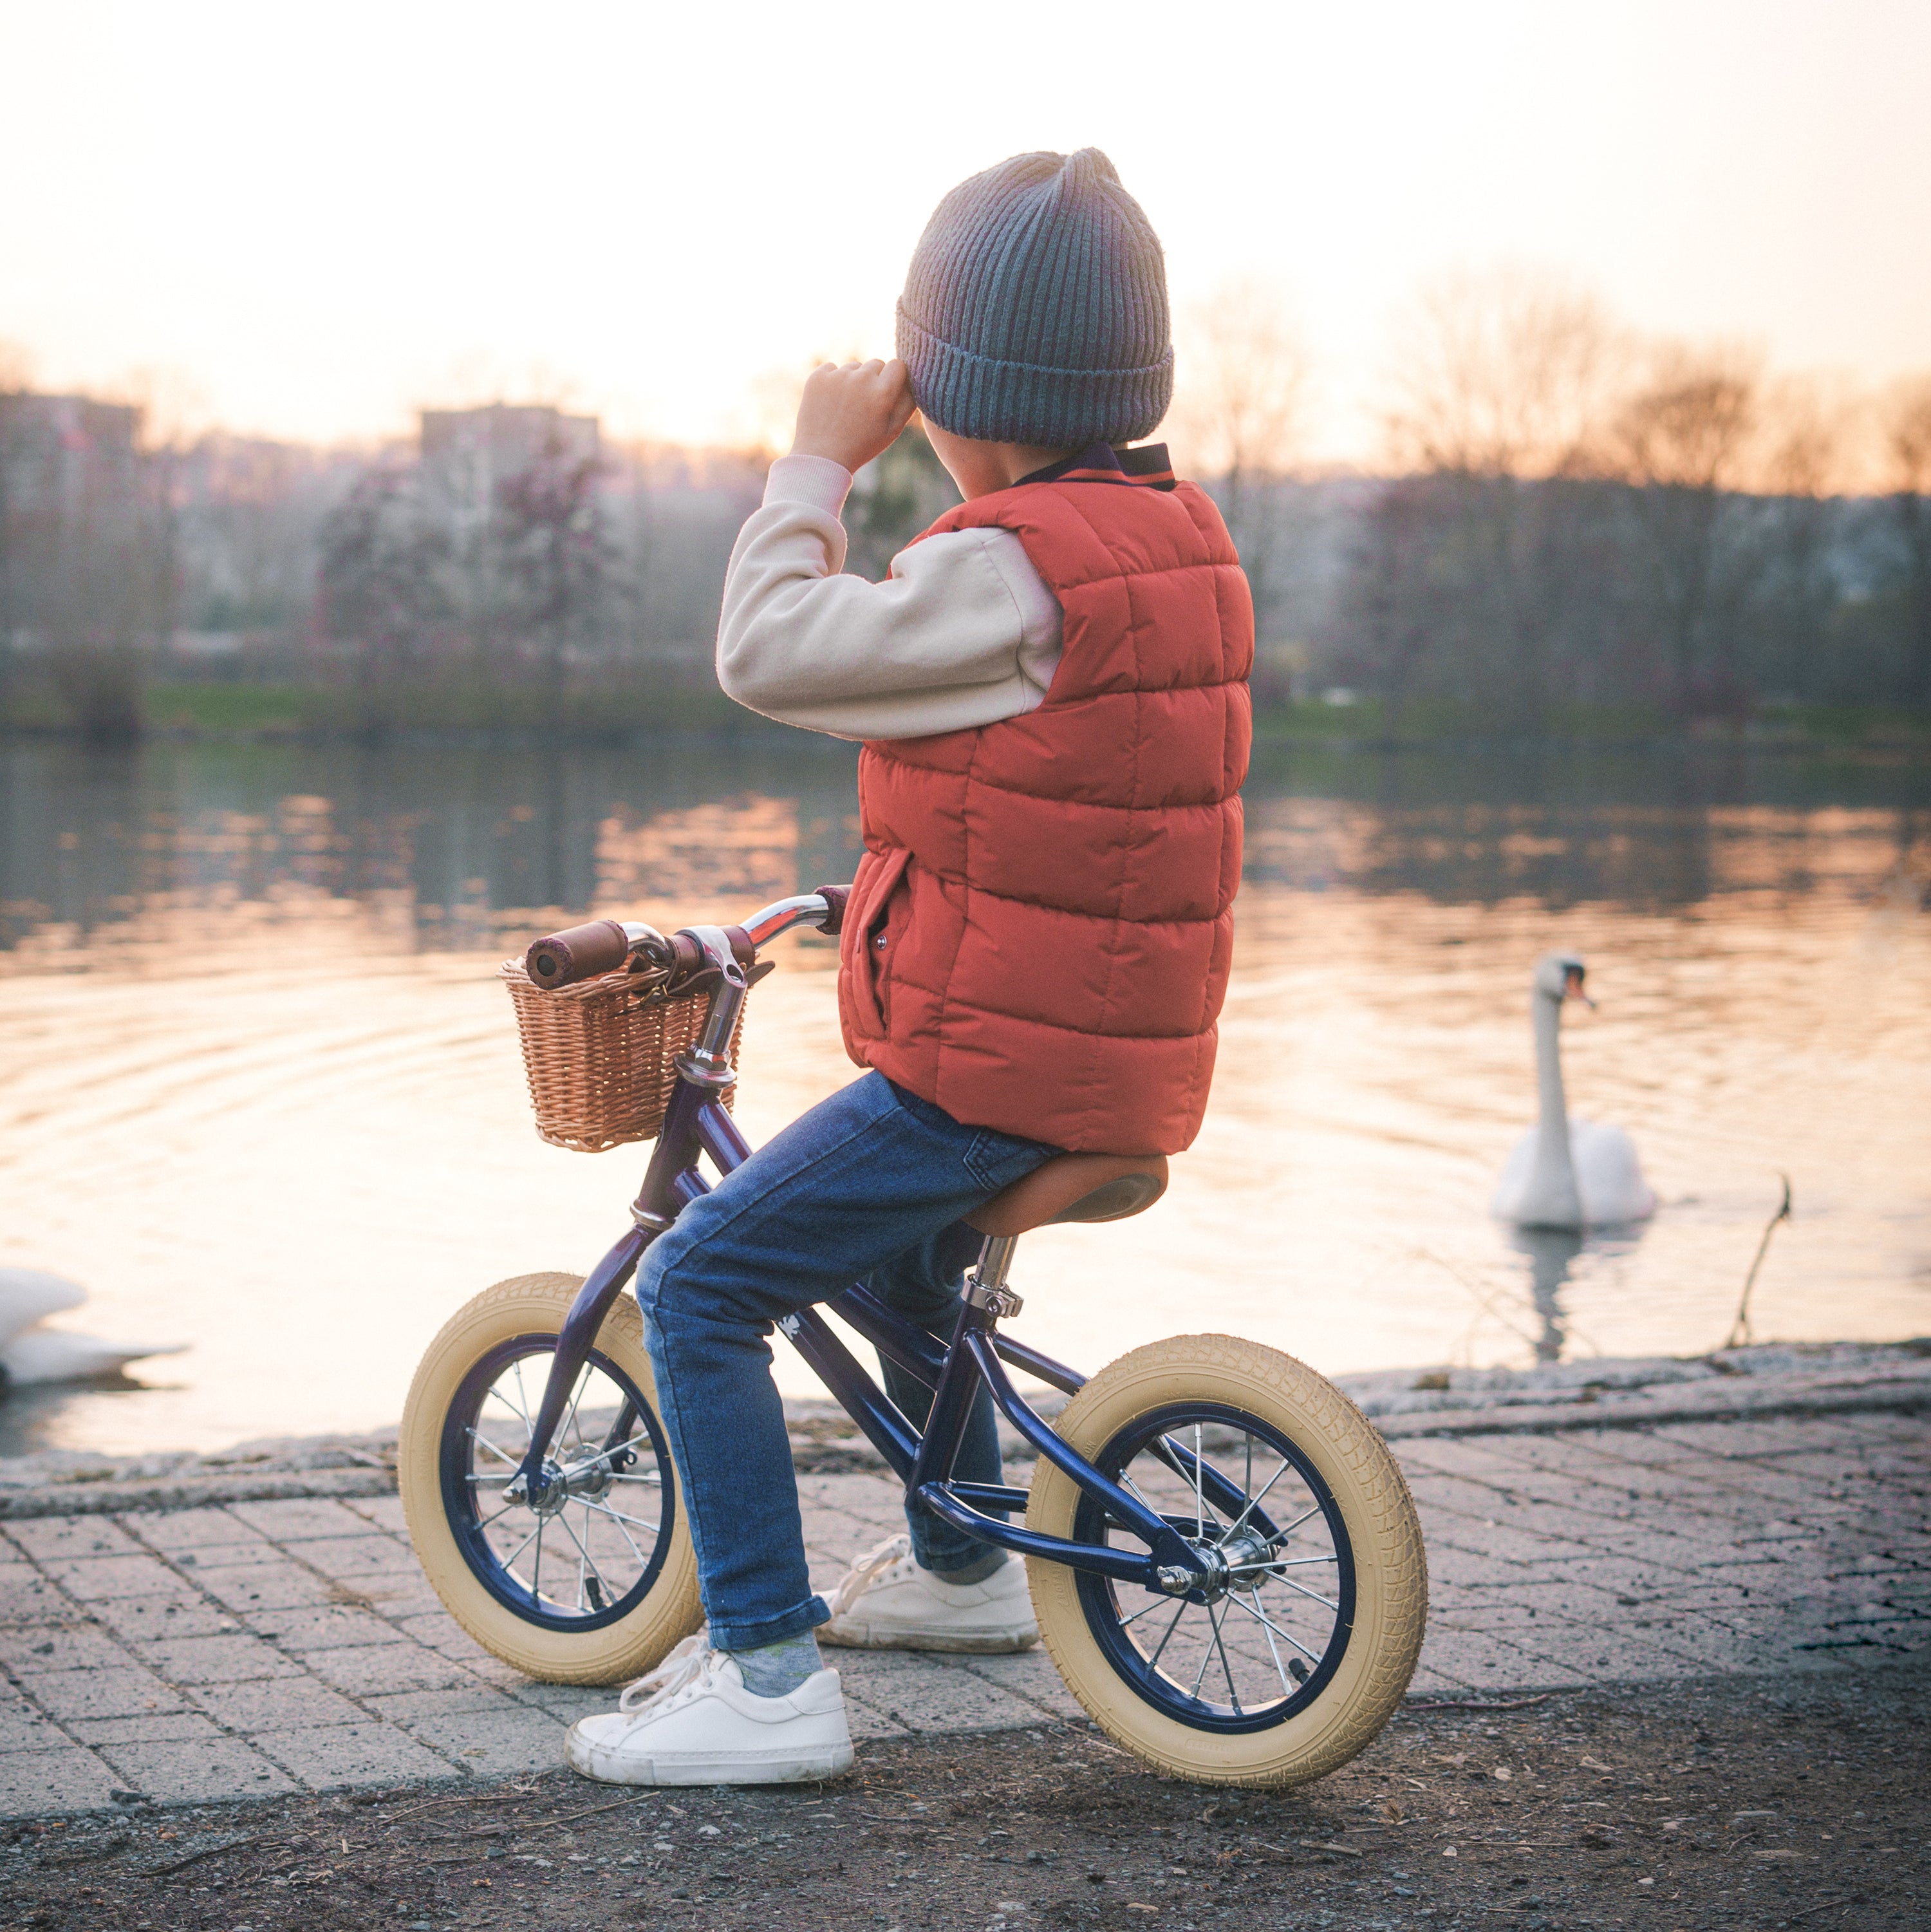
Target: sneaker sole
(849, 1636)
(721, 1768)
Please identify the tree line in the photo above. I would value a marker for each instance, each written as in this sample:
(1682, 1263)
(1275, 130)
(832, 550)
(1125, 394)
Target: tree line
(1565, 518)
(1573, 515)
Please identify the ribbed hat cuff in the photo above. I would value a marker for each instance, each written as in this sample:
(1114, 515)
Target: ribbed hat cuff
(993, 401)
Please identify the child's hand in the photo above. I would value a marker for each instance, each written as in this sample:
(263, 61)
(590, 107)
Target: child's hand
(854, 413)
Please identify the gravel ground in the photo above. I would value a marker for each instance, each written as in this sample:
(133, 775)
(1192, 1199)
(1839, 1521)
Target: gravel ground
(1745, 1803)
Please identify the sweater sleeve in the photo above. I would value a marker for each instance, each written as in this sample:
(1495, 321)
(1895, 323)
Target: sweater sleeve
(963, 633)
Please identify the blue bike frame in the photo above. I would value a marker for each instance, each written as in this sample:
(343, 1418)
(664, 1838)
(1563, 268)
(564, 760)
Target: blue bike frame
(697, 1124)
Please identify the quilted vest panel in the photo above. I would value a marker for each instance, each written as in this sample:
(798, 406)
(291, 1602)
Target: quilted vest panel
(1039, 936)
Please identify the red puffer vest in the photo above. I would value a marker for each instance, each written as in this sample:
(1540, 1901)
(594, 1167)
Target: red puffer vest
(1039, 936)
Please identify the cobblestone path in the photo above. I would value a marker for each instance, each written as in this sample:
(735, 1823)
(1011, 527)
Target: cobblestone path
(258, 1647)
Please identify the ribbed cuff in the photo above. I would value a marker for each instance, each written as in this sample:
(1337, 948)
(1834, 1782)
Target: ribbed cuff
(815, 480)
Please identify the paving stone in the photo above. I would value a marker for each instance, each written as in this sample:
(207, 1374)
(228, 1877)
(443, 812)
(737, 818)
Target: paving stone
(209, 1771)
(19, 1579)
(55, 1539)
(352, 1559)
(149, 1619)
(182, 1727)
(569, 1702)
(72, 1646)
(442, 1632)
(300, 1519)
(126, 1692)
(90, 1579)
(273, 1584)
(37, 1783)
(385, 1512)
(275, 1704)
(405, 1707)
(1028, 1674)
(22, 1728)
(192, 1532)
(216, 1660)
(346, 1755)
(369, 1669)
(924, 1695)
(864, 1723)
(335, 1627)
(496, 1743)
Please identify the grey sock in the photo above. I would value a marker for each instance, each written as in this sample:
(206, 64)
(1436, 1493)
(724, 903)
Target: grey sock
(776, 1669)
(976, 1570)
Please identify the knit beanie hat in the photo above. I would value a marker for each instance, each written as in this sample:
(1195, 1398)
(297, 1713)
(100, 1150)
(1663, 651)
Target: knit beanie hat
(1035, 310)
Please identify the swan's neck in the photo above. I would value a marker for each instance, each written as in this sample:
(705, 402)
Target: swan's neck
(1553, 1198)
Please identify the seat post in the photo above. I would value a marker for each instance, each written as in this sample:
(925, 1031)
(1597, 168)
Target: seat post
(986, 1286)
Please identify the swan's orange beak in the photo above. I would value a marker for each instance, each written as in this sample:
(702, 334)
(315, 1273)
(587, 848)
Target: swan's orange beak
(1572, 987)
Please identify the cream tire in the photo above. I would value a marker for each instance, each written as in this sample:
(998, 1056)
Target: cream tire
(533, 1304)
(1391, 1606)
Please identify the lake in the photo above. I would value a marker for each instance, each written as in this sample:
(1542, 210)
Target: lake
(260, 1093)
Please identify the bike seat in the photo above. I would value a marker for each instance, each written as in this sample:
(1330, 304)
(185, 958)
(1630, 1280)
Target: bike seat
(1074, 1187)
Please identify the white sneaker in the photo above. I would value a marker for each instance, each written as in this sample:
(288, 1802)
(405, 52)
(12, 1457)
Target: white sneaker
(692, 1721)
(886, 1602)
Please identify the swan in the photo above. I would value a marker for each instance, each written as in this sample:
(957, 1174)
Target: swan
(30, 1353)
(1566, 1172)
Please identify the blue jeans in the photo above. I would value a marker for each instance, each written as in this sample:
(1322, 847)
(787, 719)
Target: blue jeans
(871, 1186)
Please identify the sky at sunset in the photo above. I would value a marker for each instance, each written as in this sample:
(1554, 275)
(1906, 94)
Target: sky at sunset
(308, 221)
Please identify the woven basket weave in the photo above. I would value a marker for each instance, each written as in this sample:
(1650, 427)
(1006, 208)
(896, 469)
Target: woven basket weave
(600, 1055)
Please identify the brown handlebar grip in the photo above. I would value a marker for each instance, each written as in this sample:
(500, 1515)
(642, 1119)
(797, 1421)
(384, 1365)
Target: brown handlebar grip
(834, 897)
(579, 953)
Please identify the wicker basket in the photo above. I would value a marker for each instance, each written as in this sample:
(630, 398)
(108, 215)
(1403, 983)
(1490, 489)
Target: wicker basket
(600, 1054)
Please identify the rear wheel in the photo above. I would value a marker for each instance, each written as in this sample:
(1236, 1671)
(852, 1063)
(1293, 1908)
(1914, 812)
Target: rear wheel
(595, 1580)
(1297, 1650)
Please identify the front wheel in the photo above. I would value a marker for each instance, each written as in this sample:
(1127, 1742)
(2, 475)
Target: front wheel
(595, 1581)
(1299, 1648)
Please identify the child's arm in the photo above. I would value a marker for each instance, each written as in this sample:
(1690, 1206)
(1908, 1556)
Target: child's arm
(963, 633)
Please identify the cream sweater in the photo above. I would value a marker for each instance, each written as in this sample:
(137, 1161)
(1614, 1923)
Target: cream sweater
(963, 632)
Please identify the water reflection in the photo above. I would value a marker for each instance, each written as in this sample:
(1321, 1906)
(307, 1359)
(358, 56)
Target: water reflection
(258, 1087)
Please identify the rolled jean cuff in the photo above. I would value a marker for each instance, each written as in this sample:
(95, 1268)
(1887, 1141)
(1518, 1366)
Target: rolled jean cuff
(806, 1616)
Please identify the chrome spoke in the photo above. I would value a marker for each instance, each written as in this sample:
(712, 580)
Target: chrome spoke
(643, 1562)
(569, 1416)
(1254, 1502)
(1288, 1583)
(502, 1456)
(529, 1426)
(591, 1503)
(585, 1567)
(1295, 1562)
(1213, 1618)
(1199, 1506)
(1159, 1603)
(1171, 1628)
(1205, 1658)
(509, 1561)
(1286, 1636)
(1280, 1669)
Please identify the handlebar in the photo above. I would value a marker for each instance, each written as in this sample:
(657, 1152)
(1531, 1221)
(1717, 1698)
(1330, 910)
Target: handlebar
(605, 945)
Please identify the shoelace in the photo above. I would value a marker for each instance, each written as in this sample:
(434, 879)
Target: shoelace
(860, 1577)
(686, 1666)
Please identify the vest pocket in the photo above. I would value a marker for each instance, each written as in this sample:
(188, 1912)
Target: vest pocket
(871, 944)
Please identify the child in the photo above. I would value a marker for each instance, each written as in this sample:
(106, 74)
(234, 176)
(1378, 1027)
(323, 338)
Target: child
(1051, 690)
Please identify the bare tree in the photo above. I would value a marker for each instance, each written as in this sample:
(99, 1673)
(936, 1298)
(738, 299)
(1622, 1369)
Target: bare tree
(1906, 419)
(1803, 436)
(379, 587)
(1681, 440)
(551, 553)
(1501, 379)
(1242, 388)
(1502, 372)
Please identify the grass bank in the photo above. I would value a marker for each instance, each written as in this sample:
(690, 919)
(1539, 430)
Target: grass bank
(268, 712)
